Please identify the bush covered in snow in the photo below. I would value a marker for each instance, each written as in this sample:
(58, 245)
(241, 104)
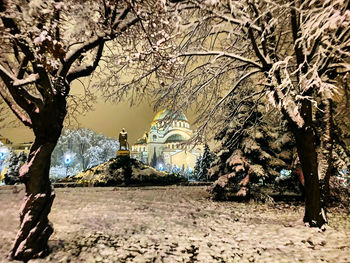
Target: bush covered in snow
(123, 171)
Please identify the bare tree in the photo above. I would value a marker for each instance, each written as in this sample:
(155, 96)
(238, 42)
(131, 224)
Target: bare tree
(293, 51)
(45, 46)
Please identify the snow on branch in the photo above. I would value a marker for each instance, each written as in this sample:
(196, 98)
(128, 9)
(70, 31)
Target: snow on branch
(88, 69)
(31, 79)
(220, 54)
(75, 54)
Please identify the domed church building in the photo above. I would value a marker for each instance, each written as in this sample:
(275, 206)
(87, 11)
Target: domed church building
(164, 145)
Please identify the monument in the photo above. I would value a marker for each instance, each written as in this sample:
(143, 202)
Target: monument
(123, 144)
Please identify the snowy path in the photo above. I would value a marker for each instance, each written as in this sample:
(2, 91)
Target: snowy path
(176, 224)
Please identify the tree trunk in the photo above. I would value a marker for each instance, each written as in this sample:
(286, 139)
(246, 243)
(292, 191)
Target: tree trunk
(35, 228)
(305, 142)
(326, 152)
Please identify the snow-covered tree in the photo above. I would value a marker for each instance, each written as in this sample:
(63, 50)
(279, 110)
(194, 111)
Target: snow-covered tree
(292, 51)
(203, 163)
(45, 46)
(6, 155)
(14, 164)
(153, 162)
(258, 153)
(86, 148)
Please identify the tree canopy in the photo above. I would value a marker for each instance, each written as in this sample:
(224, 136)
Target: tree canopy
(294, 53)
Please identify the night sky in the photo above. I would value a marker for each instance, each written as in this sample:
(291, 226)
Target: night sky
(107, 118)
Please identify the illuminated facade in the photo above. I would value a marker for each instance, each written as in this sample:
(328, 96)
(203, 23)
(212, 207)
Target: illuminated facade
(165, 142)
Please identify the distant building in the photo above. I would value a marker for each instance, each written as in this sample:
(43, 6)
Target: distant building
(166, 143)
(4, 140)
(22, 147)
(16, 147)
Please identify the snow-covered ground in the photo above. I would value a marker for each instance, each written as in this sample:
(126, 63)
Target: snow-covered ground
(176, 224)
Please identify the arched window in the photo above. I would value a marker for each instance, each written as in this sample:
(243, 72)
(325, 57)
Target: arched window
(154, 137)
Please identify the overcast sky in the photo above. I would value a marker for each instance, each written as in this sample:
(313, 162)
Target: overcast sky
(107, 118)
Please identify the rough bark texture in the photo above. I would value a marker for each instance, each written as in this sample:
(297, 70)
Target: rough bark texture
(326, 152)
(306, 148)
(35, 228)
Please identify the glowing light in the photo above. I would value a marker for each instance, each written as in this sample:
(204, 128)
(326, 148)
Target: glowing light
(67, 159)
(3, 152)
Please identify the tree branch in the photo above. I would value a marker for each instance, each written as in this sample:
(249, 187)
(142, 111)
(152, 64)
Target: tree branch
(235, 86)
(121, 17)
(26, 121)
(44, 78)
(25, 100)
(235, 21)
(87, 70)
(221, 54)
(257, 51)
(22, 68)
(295, 30)
(89, 45)
(129, 24)
(314, 48)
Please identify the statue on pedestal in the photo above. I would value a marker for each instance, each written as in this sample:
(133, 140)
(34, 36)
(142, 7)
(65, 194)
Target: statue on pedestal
(123, 151)
(123, 140)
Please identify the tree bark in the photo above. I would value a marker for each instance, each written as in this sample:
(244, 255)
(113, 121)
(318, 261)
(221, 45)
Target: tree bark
(305, 142)
(35, 228)
(326, 152)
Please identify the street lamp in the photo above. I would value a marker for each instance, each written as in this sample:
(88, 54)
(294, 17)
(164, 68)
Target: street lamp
(67, 161)
(3, 153)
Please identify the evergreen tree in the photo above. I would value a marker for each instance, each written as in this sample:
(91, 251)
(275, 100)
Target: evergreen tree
(197, 168)
(207, 159)
(154, 160)
(253, 148)
(203, 164)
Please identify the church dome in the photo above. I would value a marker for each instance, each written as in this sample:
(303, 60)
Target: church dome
(165, 113)
(176, 138)
(141, 141)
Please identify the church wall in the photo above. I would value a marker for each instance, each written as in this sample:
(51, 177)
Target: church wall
(184, 158)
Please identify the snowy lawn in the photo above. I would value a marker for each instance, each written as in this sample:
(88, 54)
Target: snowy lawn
(176, 224)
